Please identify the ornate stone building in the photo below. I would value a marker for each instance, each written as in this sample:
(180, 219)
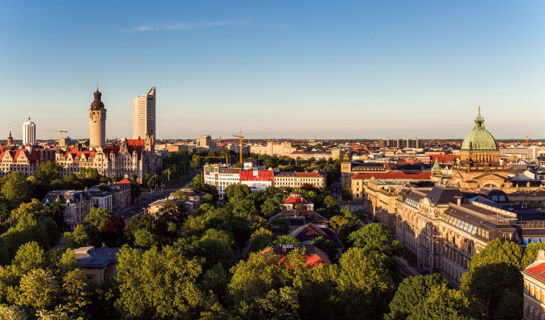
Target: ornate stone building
(479, 164)
(131, 157)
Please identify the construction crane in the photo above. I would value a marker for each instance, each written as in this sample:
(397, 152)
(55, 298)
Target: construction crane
(217, 157)
(528, 136)
(240, 137)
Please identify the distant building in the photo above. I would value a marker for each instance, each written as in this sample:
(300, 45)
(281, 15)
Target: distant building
(97, 122)
(221, 177)
(97, 264)
(299, 179)
(29, 133)
(295, 199)
(205, 141)
(279, 149)
(76, 203)
(144, 115)
(257, 179)
(101, 199)
(26, 160)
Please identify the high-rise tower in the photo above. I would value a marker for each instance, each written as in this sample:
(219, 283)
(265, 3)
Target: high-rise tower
(97, 122)
(143, 115)
(29, 132)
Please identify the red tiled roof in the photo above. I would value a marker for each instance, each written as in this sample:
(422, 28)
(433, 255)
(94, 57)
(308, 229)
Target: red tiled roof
(124, 180)
(444, 158)
(313, 256)
(392, 175)
(537, 271)
(295, 200)
(136, 142)
(262, 175)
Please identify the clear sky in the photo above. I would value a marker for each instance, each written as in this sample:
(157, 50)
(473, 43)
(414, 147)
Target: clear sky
(330, 69)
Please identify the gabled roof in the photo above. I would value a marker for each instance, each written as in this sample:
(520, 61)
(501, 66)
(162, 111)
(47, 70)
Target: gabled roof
(295, 200)
(442, 195)
(309, 216)
(309, 232)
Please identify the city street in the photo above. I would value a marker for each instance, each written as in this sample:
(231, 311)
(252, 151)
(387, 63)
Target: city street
(148, 197)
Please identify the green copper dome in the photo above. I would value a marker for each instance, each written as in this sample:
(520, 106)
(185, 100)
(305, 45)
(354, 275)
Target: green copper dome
(479, 139)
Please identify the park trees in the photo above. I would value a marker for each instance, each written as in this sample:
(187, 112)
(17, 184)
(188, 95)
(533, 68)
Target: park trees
(482, 281)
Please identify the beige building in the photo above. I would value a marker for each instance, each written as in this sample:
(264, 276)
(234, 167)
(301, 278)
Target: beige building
(97, 264)
(299, 179)
(143, 115)
(279, 149)
(76, 205)
(534, 289)
(25, 160)
(97, 122)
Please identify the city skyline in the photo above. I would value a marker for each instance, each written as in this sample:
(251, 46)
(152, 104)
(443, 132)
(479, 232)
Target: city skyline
(354, 70)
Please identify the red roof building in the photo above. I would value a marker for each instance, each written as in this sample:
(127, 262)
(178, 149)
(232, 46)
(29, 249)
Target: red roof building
(257, 179)
(534, 288)
(313, 256)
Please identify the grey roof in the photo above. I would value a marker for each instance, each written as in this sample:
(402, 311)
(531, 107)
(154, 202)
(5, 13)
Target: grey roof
(442, 195)
(91, 257)
(65, 196)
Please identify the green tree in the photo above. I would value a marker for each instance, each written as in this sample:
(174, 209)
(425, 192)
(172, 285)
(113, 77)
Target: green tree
(255, 277)
(158, 284)
(29, 256)
(48, 171)
(38, 290)
(344, 225)
(281, 304)
(11, 312)
(74, 293)
(326, 246)
(260, 239)
(77, 238)
(365, 286)
(530, 253)
(270, 207)
(372, 237)
(97, 218)
(482, 281)
(15, 188)
(411, 293)
(443, 303)
(174, 211)
(286, 240)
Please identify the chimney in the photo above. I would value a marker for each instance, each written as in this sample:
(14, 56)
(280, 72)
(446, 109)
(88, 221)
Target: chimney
(458, 200)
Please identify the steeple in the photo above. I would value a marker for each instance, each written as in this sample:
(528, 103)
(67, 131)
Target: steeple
(479, 121)
(97, 103)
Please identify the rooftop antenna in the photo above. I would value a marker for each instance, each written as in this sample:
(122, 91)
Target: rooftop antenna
(97, 85)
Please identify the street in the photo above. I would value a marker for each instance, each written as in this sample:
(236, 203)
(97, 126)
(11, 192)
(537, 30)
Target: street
(148, 197)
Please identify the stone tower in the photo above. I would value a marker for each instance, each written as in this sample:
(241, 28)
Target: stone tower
(97, 122)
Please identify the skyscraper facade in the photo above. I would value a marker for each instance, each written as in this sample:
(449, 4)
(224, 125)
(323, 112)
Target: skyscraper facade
(97, 122)
(29, 132)
(143, 115)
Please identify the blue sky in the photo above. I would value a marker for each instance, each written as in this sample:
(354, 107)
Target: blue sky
(330, 69)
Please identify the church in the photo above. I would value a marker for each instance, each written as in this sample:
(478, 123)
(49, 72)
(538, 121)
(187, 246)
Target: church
(479, 164)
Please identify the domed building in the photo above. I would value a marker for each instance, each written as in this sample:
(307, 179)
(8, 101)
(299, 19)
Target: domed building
(479, 164)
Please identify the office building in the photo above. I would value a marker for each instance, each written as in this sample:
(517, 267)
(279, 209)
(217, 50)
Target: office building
(143, 115)
(29, 132)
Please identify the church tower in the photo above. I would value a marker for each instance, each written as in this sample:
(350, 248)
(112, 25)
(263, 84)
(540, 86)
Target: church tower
(97, 122)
